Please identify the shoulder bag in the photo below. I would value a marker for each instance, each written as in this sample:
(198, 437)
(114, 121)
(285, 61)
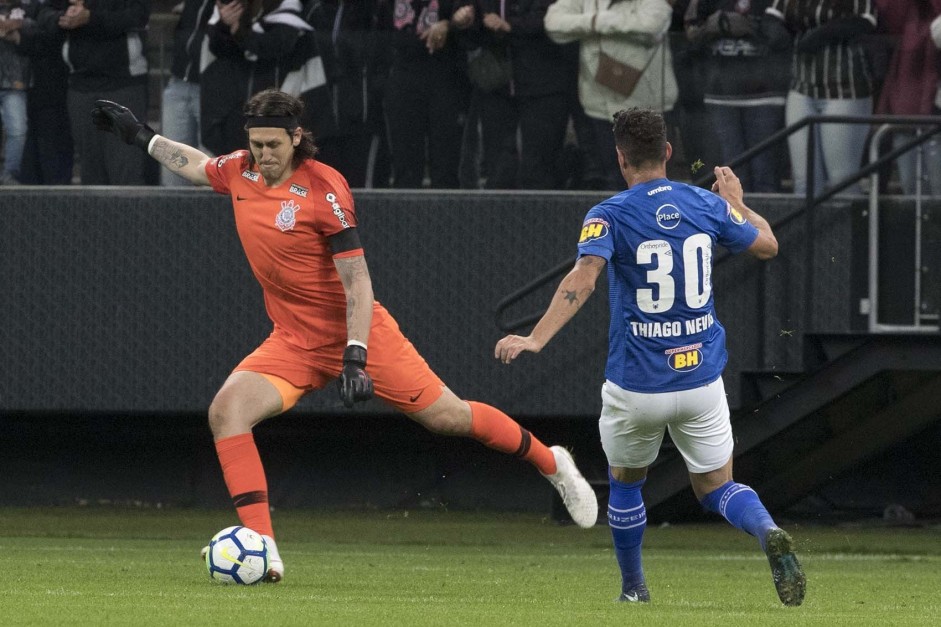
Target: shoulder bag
(618, 76)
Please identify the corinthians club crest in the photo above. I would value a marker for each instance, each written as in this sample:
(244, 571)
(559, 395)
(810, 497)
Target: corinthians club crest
(285, 219)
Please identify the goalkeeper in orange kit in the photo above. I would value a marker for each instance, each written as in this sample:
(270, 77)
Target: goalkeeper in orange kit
(297, 223)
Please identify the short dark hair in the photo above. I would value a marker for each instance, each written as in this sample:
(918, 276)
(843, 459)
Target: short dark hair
(641, 134)
(277, 104)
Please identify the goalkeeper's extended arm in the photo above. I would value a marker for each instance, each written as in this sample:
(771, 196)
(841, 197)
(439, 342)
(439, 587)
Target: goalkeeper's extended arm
(180, 159)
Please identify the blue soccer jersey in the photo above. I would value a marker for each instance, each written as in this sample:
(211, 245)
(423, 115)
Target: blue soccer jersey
(659, 238)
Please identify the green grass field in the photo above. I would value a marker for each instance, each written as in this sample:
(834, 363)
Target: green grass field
(97, 566)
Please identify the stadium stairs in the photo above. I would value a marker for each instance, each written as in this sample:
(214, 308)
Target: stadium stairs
(858, 395)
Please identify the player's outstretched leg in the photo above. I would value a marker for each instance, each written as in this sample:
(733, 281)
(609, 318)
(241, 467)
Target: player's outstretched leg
(627, 518)
(786, 571)
(450, 415)
(740, 505)
(495, 429)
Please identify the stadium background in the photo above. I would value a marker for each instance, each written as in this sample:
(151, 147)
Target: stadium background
(126, 308)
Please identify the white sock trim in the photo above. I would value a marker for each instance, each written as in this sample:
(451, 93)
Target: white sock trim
(150, 144)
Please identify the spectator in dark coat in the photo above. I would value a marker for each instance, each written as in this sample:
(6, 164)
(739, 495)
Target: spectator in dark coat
(746, 84)
(48, 154)
(427, 94)
(533, 104)
(104, 48)
(344, 112)
(252, 46)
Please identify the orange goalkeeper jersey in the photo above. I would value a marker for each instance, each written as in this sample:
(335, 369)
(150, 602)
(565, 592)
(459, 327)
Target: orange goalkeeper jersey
(284, 232)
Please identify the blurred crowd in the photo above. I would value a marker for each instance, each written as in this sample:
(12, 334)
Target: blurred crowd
(495, 94)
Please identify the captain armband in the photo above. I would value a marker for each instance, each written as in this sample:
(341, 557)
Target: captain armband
(345, 241)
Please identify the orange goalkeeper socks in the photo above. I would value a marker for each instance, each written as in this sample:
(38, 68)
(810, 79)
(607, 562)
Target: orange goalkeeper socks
(245, 478)
(492, 428)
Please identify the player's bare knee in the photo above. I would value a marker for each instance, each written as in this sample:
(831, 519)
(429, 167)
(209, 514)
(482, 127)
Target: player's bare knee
(217, 418)
(446, 424)
(449, 421)
(433, 419)
(448, 416)
(226, 417)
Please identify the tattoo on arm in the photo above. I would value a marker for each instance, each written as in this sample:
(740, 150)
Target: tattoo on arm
(169, 155)
(350, 308)
(575, 299)
(590, 265)
(352, 270)
(354, 274)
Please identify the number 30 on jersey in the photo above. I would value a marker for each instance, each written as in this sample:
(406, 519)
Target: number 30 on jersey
(697, 273)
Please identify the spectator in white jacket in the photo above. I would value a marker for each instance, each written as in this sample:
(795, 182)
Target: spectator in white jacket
(613, 32)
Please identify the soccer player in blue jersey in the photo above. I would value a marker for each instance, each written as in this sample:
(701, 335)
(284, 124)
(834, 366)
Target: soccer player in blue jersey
(666, 347)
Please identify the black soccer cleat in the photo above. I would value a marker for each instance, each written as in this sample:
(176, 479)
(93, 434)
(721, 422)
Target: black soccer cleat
(637, 594)
(786, 571)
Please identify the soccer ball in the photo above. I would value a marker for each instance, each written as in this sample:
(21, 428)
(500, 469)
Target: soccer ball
(237, 555)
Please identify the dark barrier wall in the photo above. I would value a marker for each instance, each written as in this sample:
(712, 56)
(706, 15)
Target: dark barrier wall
(141, 300)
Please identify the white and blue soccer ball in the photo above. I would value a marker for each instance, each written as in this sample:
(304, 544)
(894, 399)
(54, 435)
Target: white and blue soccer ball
(237, 555)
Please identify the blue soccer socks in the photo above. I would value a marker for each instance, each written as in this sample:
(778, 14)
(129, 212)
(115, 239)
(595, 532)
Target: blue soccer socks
(740, 505)
(627, 518)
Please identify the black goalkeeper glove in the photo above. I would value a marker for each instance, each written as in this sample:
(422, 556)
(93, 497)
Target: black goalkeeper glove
(114, 118)
(354, 384)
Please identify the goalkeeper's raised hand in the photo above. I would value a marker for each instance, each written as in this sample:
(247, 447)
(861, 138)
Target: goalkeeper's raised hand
(354, 383)
(118, 119)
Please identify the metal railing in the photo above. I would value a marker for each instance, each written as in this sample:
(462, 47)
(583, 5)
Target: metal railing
(872, 303)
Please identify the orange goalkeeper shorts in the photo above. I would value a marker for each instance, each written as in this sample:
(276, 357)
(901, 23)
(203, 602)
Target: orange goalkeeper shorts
(400, 376)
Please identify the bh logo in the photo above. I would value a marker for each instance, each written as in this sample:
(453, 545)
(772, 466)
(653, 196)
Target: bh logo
(668, 217)
(594, 228)
(685, 359)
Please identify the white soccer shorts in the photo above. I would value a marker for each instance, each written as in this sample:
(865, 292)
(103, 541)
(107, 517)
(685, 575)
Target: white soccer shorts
(632, 425)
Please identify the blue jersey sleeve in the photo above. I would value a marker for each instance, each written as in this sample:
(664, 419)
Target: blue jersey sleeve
(596, 237)
(735, 232)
